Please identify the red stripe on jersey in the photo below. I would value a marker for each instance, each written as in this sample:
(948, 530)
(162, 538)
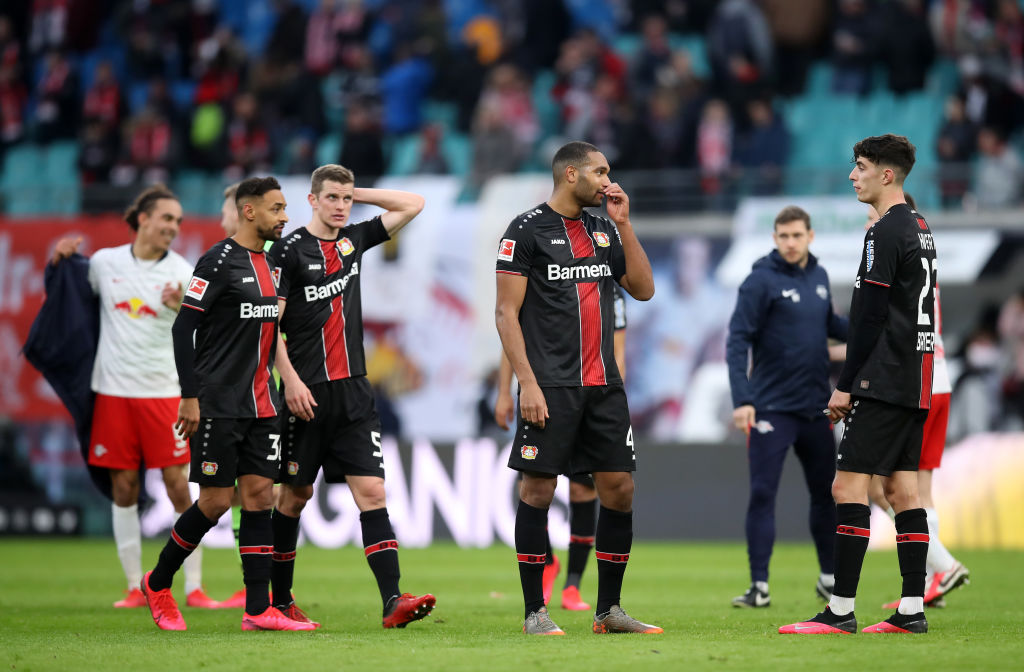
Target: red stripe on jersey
(255, 550)
(333, 333)
(591, 362)
(912, 536)
(875, 282)
(261, 381)
(181, 542)
(193, 307)
(927, 361)
(389, 545)
(851, 531)
(580, 241)
(618, 558)
(532, 559)
(921, 224)
(508, 272)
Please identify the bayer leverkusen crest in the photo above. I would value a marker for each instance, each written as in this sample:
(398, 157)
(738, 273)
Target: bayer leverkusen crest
(293, 468)
(209, 468)
(346, 247)
(601, 238)
(528, 452)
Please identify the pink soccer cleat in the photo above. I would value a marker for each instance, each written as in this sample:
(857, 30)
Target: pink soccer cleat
(825, 623)
(273, 619)
(133, 599)
(406, 608)
(163, 607)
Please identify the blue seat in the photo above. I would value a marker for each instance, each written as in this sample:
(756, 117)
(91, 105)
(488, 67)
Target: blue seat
(328, 148)
(405, 155)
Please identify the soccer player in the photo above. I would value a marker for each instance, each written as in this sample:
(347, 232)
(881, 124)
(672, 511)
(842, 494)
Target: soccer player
(139, 286)
(555, 270)
(224, 347)
(884, 391)
(229, 212)
(784, 315)
(332, 421)
(582, 494)
(945, 573)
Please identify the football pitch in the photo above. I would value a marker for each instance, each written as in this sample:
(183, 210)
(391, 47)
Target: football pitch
(55, 614)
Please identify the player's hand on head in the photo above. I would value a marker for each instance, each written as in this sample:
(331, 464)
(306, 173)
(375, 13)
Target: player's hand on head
(504, 410)
(617, 203)
(839, 405)
(188, 417)
(299, 399)
(64, 249)
(172, 295)
(532, 405)
(744, 418)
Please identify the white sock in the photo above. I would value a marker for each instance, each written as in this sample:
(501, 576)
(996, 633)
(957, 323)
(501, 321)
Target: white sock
(128, 538)
(193, 567)
(828, 580)
(841, 606)
(762, 586)
(911, 605)
(939, 559)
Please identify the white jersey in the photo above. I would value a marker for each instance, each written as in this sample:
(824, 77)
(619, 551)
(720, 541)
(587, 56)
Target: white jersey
(135, 357)
(940, 374)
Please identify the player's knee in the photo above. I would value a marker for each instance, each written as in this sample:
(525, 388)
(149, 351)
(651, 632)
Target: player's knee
(213, 506)
(124, 487)
(618, 495)
(537, 491)
(291, 500)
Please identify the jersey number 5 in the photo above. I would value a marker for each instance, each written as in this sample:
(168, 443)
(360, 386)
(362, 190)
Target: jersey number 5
(929, 272)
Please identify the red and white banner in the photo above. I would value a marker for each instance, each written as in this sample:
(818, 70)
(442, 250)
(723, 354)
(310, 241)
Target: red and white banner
(25, 249)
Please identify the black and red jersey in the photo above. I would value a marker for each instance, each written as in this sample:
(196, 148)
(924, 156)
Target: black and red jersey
(899, 253)
(568, 313)
(233, 288)
(323, 316)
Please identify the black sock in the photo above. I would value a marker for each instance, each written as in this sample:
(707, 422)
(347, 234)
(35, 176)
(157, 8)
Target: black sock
(614, 540)
(256, 544)
(186, 534)
(912, 549)
(282, 569)
(582, 520)
(381, 550)
(853, 530)
(531, 531)
(549, 553)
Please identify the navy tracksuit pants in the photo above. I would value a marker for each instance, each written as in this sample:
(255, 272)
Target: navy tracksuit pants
(815, 447)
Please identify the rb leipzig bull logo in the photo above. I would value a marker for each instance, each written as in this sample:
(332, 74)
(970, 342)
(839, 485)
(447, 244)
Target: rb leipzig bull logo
(135, 308)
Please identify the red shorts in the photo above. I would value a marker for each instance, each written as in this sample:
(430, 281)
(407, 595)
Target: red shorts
(128, 433)
(935, 432)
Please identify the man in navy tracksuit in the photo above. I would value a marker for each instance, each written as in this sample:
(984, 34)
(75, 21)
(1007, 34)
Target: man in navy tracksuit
(784, 315)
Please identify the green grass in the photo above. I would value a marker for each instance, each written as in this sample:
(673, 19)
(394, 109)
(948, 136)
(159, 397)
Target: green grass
(55, 614)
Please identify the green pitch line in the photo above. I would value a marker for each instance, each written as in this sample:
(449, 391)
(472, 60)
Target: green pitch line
(55, 614)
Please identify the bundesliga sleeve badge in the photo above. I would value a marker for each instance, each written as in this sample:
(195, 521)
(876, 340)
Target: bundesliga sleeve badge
(197, 288)
(507, 248)
(601, 238)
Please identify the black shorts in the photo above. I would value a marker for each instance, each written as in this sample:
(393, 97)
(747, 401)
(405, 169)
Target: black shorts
(587, 430)
(880, 438)
(225, 448)
(343, 437)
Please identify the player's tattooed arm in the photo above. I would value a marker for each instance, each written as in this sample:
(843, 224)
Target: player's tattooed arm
(638, 280)
(401, 206)
(511, 292)
(297, 396)
(504, 407)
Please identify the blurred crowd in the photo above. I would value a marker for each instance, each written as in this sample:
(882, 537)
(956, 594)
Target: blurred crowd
(232, 87)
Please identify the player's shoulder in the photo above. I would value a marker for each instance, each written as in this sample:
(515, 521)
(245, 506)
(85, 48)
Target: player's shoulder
(281, 246)
(107, 255)
(537, 215)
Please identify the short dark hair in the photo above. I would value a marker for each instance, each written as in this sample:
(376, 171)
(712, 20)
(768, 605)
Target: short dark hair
(145, 202)
(255, 186)
(792, 213)
(576, 153)
(891, 151)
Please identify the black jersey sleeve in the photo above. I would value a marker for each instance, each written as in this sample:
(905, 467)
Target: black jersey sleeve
(618, 257)
(183, 336)
(277, 260)
(861, 341)
(371, 233)
(515, 252)
(883, 254)
(205, 285)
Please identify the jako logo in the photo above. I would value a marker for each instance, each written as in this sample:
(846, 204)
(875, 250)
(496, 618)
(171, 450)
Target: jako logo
(556, 272)
(557, 241)
(250, 311)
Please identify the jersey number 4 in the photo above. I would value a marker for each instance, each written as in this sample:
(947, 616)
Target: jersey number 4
(930, 271)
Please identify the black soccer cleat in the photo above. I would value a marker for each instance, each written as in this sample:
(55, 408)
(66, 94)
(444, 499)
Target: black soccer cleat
(904, 624)
(752, 599)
